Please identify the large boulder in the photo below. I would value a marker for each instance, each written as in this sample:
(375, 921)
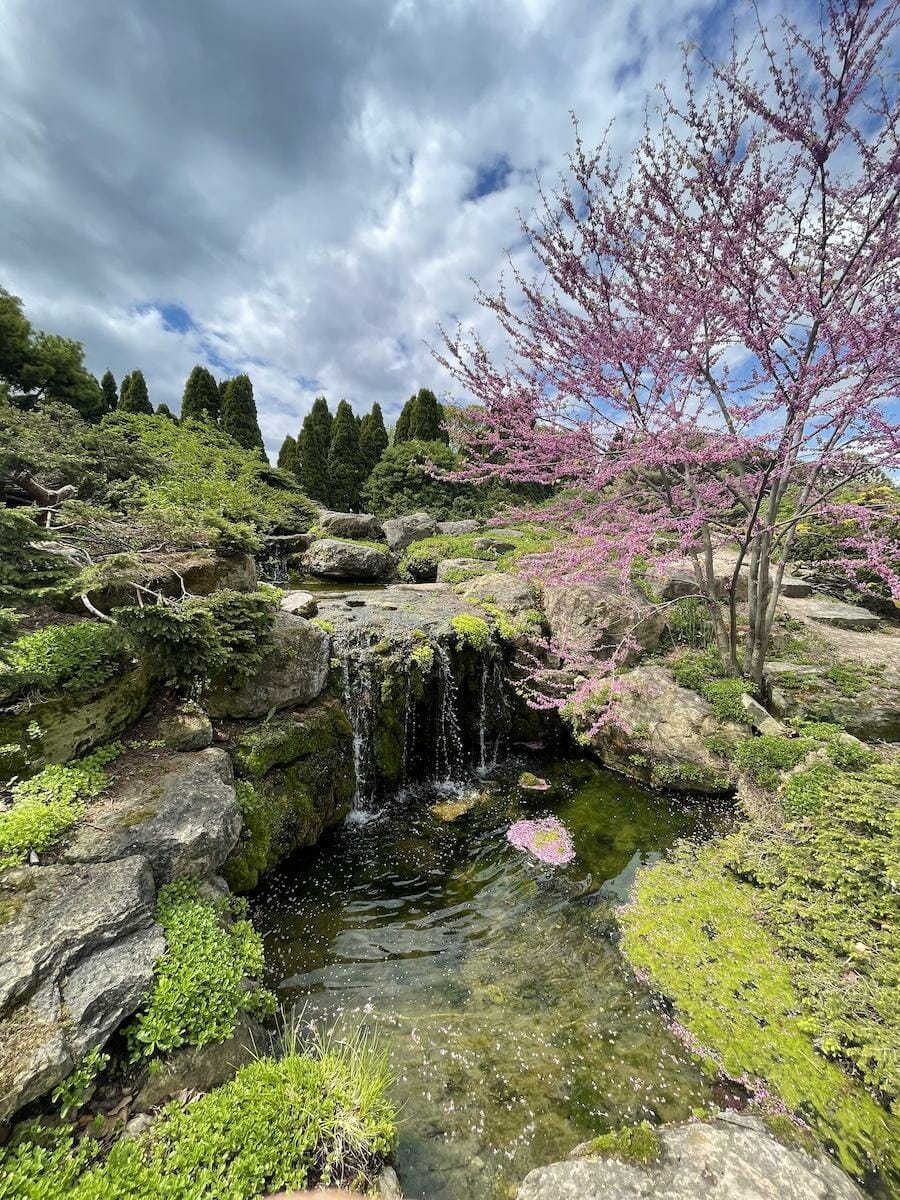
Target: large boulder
(596, 617)
(294, 671)
(78, 945)
(182, 816)
(508, 592)
(347, 560)
(871, 714)
(456, 570)
(201, 573)
(676, 580)
(403, 531)
(457, 528)
(733, 1157)
(352, 525)
(660, 735)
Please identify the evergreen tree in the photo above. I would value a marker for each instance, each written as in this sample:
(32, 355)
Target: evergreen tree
(345, 469)
(287, 455)
(373, 438)
(404, 421)
(163, 410)
(222, 385)
(110, 394)
(313, 447)
(427, 419)
(135, 398)
(200, 401)
(239, 414)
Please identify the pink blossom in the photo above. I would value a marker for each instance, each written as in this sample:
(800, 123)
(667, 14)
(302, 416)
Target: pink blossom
(547, 839)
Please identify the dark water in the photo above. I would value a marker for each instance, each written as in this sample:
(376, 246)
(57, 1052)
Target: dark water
(513, 1024)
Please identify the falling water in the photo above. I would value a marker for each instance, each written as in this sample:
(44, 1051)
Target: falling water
(448, 744)
(358, 696)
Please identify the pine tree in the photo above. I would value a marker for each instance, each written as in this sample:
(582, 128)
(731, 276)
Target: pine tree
(404, 421)
(135, 397)
(373, 438)
(239, 414)
(313, 446)
(163, 410)
(287, 455)
(345, 470)
(427, 418)
(110, 394)
(222, 385)
(200, 401)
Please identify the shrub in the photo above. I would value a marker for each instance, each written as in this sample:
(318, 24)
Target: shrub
(403, 482)
(198, 991)
(766, 757)
(703, 671)
(70, 658)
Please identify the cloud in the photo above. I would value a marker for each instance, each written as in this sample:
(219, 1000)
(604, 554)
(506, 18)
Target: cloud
(300, 190)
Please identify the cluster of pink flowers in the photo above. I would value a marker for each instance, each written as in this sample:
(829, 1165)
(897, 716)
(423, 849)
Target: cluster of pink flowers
(547, 839)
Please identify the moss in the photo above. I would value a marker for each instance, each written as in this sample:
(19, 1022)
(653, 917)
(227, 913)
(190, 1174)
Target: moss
(325, 626)
(789, 1133)
(639, 1144)
(136, 817)
(471, 630)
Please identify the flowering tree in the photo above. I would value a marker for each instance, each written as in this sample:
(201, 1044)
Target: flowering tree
(714, 350)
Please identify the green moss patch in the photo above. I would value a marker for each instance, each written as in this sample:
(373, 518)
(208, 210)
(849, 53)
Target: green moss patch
(703, 671)
(638, 1144)
(471, 630)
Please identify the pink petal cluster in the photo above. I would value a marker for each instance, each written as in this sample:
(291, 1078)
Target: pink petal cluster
(547, 839)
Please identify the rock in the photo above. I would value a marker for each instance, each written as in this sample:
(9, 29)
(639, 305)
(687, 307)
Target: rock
(810, 693)
(403, 531)
(202, 574)
(842, 616)
(78, 945)
(733, 1157)
(795, 588)
(187, 729)
(533, 783)
(293, 672)
(202, 1068)
(597, 616)
(494, 545)
(299, 604)
(509, 592)
(137, 1126)
(183, 818)
(659, 735)
(761, 720)
(352, 525)
(347, 560)
(457, 528)
(456, 570)
(677, 580)
(389, 1185)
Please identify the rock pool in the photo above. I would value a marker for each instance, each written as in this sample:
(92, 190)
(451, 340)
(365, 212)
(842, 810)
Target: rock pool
(513, 1024)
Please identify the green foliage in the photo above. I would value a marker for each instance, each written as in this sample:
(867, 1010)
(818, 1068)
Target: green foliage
(29, 573)
(420, 560)
(402, 427)
(373, 439)
(110, 391)
(288, 456)
(421, 420)
(703, 671)
(239, 418)
(764, 758)
(133, 395)
(633, 1143)
(205, 639)
(45, 807)
(403, 482)
(688, 623)
(724, 695)
(319, 1117)
(470, 630)
(70, 658)
(198, 991)
(200, 401)
(71, 1093)
(313, 445)
(345, 467)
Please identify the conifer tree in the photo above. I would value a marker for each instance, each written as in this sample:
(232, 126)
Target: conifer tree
(404, 421)
(287, 455)
(345, 469)
(313, 447)
(123, 391)
(373, 438)
(110, 394)
(239, 414)
(427, 418)
(163, 410)
(200, 401)
(135, 397)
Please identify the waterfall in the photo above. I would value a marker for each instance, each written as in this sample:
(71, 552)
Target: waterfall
(358, 697)
(448, 744)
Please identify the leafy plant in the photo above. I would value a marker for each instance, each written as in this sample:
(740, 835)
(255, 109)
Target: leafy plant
(70, 658)
(71, 1093)
(766, 757)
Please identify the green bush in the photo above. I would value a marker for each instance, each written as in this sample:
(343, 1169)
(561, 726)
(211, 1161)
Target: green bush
(198, 990)
(323, 1117)
(703, 671)
(403, 482)
(70, 658)
(766, 757)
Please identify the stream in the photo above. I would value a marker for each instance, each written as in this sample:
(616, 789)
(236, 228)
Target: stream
(513, 1025)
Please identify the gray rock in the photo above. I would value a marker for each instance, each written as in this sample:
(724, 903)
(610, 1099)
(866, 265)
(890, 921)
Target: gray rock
(294, 671)
(677, 579)
(796, 691)
(452, 570)
(794, 587)
(184, 819)
(403, 531)
(495, 544)
(843, 616)
(187, 729)
(352, 525)
(760, 719)
(509, 592)
(660, 735)
(389, 1185)
(598, 616)
(78, 945)
(201, 573)
(202, 1068)
(457, 528)
(299, 604)
(347, 560)
(733, 1157)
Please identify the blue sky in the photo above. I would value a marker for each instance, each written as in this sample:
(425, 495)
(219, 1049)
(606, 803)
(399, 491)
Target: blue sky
(300, 190)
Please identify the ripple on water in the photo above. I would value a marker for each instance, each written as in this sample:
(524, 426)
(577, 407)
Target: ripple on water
(514, 1027)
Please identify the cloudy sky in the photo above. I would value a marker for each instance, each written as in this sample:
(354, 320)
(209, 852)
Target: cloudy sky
(302, 189)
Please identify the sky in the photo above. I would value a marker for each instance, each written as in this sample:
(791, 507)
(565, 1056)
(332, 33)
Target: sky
(302, 189)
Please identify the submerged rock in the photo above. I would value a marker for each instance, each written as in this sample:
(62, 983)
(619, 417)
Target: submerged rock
(294, 671)
(734, 1157)
(352, 525)
(403, 531)
(347, 560)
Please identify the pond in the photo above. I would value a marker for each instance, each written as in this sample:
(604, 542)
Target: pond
(513, 1025)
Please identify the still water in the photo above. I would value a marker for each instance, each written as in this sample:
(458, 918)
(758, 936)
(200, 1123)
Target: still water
(514, 1027)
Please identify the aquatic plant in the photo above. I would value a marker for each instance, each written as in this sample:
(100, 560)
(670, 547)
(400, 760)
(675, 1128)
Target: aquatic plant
(547, 839)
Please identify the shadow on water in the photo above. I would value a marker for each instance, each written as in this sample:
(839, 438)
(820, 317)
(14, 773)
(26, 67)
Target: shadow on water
(514, 1026)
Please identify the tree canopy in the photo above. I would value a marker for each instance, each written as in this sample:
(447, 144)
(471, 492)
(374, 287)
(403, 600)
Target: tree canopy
(133, 394)
(313, 446)
(239, 418)
(345, 468)
(201, 401)
(373, 438)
